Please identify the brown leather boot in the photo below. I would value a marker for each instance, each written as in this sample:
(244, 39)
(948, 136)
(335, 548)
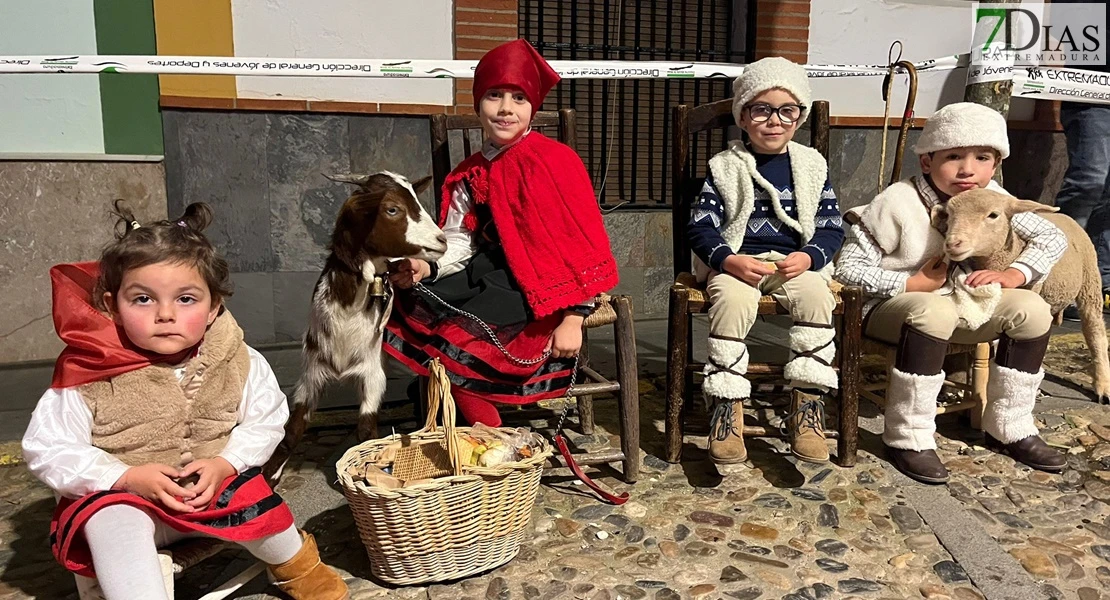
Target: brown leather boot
(304, 577)
(1031, 451)
(919, 465)
(726, 433)
(806, 424)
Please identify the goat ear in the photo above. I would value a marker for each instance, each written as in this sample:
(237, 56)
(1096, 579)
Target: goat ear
(1021, 206)
(422, 185)
(351, 178)
(938, 217)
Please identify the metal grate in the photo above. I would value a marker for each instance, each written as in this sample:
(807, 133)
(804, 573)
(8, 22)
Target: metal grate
(624, 127)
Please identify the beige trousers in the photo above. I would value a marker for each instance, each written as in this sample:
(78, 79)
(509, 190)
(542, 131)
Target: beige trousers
(1021, 314)
(733, 310)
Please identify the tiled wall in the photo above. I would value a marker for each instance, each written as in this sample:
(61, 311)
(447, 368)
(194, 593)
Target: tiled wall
(262, 172)
(53, 212)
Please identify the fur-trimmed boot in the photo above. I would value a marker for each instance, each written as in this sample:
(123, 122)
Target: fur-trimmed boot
(726, 385)
(305, 577)
(1015, 379)
(811, 373)
(911, 406)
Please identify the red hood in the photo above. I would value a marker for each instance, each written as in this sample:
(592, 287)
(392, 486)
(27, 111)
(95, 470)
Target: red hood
(96, 349)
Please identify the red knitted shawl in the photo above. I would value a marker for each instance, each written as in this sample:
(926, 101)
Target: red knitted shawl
(547, 219)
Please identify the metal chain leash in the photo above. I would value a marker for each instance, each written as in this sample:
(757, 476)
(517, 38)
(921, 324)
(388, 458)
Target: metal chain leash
(497, 342)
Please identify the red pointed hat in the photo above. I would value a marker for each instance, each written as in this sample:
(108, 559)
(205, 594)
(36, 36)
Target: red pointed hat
(515, 64)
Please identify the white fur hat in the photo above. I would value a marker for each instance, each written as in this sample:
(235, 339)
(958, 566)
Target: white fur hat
(961, 125)
(766, 74)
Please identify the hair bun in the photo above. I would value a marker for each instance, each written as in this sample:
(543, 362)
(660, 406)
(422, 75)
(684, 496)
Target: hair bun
(197, 216)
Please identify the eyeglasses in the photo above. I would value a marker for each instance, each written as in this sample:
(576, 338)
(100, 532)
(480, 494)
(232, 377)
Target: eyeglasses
(788, 113)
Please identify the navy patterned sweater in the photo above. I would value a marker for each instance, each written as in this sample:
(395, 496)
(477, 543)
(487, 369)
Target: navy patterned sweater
(765, 232)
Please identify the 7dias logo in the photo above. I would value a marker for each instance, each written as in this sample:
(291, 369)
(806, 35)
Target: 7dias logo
(1038, 34)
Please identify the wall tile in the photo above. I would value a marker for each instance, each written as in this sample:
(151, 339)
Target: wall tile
(253, 306)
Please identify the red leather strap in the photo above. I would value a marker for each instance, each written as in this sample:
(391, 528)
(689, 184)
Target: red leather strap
(561, 444)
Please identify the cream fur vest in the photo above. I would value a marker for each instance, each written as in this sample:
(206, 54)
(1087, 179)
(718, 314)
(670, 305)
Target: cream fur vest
(900, 224)
(735, 175)
(149, 416)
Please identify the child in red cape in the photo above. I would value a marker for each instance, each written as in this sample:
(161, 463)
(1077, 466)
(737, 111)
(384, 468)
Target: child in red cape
(159, 418)
(526, 254)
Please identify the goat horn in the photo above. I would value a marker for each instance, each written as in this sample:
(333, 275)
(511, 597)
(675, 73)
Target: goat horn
(351, 178)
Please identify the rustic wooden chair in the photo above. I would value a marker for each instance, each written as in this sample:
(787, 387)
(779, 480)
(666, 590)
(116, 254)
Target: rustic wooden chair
(611, 310)
(688, 297)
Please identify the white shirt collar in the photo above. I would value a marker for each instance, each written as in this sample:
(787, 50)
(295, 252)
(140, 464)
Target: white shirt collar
(491, 151)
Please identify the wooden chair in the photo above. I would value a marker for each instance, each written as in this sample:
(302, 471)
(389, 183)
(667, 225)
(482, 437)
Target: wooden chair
(689, 298)
(611, 310)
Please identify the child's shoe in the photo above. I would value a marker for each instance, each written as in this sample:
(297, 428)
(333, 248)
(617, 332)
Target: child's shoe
(806, 423)
(726, 433)
(305, 577)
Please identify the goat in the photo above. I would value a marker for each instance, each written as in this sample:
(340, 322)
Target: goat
(976, 224)
(380, 222)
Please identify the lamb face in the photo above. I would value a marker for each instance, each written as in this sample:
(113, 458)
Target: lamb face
(976, 223)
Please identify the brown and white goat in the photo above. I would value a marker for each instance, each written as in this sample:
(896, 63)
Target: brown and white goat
(381, 222)
(977, 228)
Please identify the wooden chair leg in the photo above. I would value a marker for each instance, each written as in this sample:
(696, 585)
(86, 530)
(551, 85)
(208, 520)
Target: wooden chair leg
(850, 351)
(628, 404)
(678, 341)
(979, 374)
(585, 403)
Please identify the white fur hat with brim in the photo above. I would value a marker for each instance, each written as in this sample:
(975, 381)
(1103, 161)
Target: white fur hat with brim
(769, 73)
(963, 125)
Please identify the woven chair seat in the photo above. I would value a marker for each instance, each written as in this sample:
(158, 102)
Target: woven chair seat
(767, 305)
(873, 346)
(603, 314)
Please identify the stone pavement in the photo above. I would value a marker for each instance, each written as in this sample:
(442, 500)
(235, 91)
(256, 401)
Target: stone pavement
(774, 529)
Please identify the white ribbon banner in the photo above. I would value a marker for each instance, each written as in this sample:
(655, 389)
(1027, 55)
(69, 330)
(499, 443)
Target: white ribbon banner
(1046, 83)
(425, 69)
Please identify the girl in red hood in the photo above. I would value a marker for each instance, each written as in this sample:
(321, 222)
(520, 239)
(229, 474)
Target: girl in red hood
(159, 417)
(526, 254)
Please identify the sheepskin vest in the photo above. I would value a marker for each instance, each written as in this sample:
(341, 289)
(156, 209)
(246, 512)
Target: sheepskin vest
(899, 221)
(735, 175)
(151, 416)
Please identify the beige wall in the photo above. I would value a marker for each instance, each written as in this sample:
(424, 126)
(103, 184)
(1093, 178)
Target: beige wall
(52, 213)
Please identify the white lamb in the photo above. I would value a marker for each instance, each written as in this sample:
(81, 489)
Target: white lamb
(980, 220)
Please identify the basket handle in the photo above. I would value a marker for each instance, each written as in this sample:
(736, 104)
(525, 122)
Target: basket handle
(439, 394)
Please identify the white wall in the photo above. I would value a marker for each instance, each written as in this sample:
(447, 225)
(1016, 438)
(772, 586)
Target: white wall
(49, 113)
(345, 29)
(861, 32)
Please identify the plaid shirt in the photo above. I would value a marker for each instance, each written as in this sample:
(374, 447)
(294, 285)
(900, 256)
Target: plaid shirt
(860, 257)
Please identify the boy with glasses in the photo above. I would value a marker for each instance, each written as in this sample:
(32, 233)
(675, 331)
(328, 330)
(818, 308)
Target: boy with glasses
(767, 222)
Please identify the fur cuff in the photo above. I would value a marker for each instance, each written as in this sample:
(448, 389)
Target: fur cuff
(911, 410)
(1011, 395)
(806, 370)
(727, 384)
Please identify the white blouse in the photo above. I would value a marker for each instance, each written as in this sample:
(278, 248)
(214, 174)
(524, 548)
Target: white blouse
(58, 443)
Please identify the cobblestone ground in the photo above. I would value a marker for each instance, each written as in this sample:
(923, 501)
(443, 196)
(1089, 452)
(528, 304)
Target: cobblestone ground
(774, 529)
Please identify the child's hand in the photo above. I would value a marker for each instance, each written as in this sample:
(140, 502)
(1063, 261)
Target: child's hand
(1010, 278)
(930, 277)
(213, 471)
(155, 483)
(566, 341)
(794, 264)
(747, 269)
(407, 272)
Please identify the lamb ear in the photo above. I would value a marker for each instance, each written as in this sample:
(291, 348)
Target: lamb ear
(938, 217)
(351, 178)
(1020, 206)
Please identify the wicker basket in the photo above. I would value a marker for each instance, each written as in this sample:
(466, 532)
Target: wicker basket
(457, 525)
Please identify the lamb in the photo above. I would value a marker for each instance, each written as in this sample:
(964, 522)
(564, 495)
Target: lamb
(977, 229)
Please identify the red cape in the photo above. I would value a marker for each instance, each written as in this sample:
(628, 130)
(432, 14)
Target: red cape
(547, 219)
(96, 349)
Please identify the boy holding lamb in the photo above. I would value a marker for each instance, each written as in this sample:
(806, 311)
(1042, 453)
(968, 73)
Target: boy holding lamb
(898, 259)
